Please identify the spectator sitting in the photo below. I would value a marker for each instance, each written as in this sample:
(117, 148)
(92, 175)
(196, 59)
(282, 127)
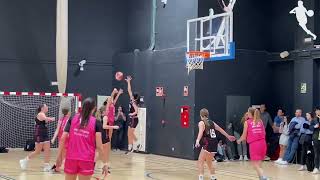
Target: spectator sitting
(227, 152)
(220, 156)
(294, 133)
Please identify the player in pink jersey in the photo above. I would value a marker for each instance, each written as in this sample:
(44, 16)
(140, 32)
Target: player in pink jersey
(84, 133)
(111, 110)
(208, 142)
(58, 133)
(108, 119)
(100, 115)
(254, 133)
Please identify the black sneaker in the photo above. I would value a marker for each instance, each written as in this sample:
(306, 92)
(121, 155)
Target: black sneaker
(138, 147)
(129, 151)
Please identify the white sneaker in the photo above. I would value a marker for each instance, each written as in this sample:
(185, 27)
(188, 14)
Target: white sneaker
(278, 161)
(267, 158)
(46, 167)
(23, 164)
(302, 168)
(241, 158)
(264, 178)
(201, 177)
(283, 163)
(213, 178)
(315, 171)
(246, 158)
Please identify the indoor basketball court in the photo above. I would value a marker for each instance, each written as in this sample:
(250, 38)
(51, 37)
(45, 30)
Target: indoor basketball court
(150, 167)
(159, 90)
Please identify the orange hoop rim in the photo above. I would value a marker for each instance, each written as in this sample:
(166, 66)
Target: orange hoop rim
(198, 53)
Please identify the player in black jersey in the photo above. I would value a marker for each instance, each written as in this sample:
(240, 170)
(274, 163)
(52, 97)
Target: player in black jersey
(41, 138)
(101, 116)
(133, 115)
(207, 140)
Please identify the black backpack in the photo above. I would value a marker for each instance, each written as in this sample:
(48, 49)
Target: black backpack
(3, 150)
(30, 145)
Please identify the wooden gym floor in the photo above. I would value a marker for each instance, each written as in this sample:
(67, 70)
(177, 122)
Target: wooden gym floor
(150, 167)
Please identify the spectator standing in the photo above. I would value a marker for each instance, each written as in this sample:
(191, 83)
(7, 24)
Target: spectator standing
(283, 142)
(316, 141)
(294, 133)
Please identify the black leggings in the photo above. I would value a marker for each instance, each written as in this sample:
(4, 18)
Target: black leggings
(305, 148)
(117, 138)
(316, 148)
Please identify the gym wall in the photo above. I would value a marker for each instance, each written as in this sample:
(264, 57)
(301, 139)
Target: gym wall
(27, 47)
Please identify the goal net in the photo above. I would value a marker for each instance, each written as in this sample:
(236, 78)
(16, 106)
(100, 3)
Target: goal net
(18, 112)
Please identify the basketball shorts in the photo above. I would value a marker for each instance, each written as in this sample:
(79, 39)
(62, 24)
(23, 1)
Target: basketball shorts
(209, 144)
(105, 137)
(85, 168)
(41, 135)
(133, 122)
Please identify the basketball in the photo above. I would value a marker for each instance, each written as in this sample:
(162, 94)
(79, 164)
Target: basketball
(119, 76)
(310, 13)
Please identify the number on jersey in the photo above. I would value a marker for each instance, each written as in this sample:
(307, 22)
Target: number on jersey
(213, 133)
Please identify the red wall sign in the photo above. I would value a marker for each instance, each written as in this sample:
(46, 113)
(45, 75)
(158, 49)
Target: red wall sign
(185, 116)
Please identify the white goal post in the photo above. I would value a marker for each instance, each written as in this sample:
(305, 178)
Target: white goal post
(18, 111)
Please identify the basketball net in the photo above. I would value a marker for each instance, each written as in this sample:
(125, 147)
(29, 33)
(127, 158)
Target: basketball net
(195, 60)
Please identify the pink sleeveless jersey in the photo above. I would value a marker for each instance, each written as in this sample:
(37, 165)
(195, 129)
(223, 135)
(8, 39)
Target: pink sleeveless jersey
(255, 132)
(111, 113)
(82, 141)
(63, 121)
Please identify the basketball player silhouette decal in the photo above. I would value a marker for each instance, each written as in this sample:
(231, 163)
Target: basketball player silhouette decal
(229, 7)
(301, 15)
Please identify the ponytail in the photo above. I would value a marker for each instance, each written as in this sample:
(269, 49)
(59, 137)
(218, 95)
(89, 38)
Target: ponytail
(256, 116)
(87, 108)
(204, 113)
(99, 113)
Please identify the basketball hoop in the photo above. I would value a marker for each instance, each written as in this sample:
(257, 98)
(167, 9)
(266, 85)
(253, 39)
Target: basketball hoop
(195, 59)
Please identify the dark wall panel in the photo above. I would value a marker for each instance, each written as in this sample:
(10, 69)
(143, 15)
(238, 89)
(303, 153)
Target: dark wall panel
(162, 68)
(282, 25)
(139, 24)
(251, 22)
(303, 73)
(171, 22)
(247, 75)
(97, 29)
(28, 30)
(27, 46)
(282, 81)
(27, 76)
